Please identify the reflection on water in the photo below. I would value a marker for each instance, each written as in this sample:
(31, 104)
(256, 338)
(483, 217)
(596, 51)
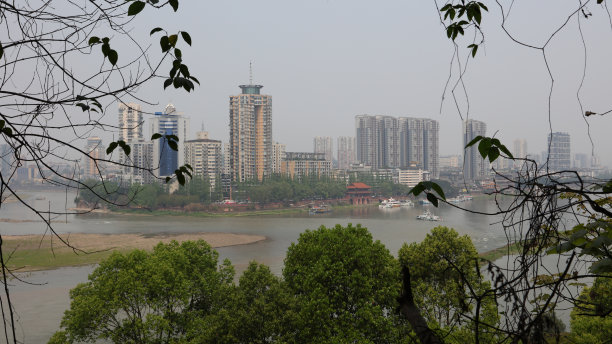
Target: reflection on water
(393, 227)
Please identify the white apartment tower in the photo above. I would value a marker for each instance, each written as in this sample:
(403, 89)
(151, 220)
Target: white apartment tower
(130, 122)
(250, 134)
(324, 144)
(204, 156)
(346, 152)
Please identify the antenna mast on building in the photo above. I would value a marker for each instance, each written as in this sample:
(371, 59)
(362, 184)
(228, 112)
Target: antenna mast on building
(250, 72)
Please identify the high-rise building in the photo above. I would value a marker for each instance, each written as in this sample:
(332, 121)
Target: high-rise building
(581, 160)
(278, 156)
(346, 152)
(298, 165)
(324, 144)
(559, 152)
(520, 148)
(204, 156)
(520, 151)
(169, 122)
(140, 166)
(7, 159)
(95, 152)
(131, 122)
(250, 134)
(474, 166)
(389, 142)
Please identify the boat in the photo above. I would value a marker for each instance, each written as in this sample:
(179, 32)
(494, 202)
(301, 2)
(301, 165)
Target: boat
(319, 210)
(389, 203)
(407, 203)
(428, 216)
(424, 202)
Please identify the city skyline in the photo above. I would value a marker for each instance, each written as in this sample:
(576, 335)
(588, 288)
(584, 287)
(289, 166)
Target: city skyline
(327, 66)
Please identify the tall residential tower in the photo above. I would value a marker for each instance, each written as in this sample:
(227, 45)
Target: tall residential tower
(250, 134)
(474, 166)
(390, 142)
(559, 151)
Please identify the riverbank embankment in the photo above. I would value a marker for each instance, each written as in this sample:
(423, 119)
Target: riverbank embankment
(44, 252)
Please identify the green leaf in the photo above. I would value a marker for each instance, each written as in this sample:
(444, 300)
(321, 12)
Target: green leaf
(474, 49)
(188, 166)
(156, 136)
(157, 29)
(186, 37)
(94, 40)
(184, 70)
(477, 14)
(506, 151)
(2, 122)
(83, 107)
(164, 43)
(433, 199)
(167, 83)
(602, 266)
(126, 148)
(168, 179)
(439, 190)
(172, 137)
(483, 6)
(105, 49)
(194, 79)
(476, 139)
(178, 53)
(172, 40)
(112, 57)
(493, 153)
(174, 4)
(135, 8)
(483, 147)
(180, 177)
(111, 147)
(173, 145)
(8, 131)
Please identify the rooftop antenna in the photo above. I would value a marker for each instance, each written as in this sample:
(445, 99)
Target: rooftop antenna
(202, 125)
(250, 72)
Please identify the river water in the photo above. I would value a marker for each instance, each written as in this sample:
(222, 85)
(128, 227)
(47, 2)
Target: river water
(40, 304)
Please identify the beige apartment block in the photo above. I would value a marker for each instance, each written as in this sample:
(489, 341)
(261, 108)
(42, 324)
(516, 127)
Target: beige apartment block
(250, 134)
(301, 164)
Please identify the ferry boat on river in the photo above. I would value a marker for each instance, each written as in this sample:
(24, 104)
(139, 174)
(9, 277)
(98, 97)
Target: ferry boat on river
(428, 216)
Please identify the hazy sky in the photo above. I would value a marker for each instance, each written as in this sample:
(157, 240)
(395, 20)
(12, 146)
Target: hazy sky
(325, 61)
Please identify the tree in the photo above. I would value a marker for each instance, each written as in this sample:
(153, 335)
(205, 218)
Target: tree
(590, 319)
(448, 287)
(345, 286)
(257, 311)
(143, 297)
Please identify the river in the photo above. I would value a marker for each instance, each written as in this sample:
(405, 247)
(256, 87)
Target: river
(40, 305)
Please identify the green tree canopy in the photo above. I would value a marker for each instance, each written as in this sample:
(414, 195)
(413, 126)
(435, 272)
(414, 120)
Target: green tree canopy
(144, 297)
(447, 285)
(591, 319)
(345, 286)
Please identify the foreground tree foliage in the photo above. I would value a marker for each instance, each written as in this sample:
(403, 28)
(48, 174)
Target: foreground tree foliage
(338, 286)
(449, 289)
(345, 286)
(144, 297)
(590, 319)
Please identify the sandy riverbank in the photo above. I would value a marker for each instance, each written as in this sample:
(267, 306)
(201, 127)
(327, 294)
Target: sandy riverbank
(38, 252)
